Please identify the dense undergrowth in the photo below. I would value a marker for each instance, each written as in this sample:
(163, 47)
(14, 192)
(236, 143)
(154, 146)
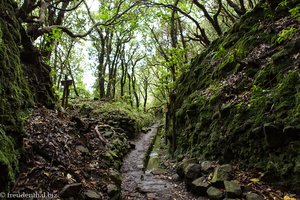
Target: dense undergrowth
(78, 152)
(239, 102)
(93, 108)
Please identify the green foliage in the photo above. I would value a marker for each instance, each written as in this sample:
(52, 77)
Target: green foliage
(286, 34)
(8, 155)
(53, 36)
(257, 95)
(295, 12)
(221, 52)
(142, 119)
(283, 3)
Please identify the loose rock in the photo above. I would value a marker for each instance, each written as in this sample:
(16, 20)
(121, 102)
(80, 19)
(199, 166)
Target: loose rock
(82, 149)
(175, 177)
(112, 190)
(191, 172)
(91, 195)
(233, 189)
(221, 174)
(183, 164)
(214, 193)
(199, 186)
(253, 196)
(273, 135)
(206, 166)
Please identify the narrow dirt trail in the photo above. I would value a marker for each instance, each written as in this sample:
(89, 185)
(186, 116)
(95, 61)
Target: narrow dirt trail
(137, 184)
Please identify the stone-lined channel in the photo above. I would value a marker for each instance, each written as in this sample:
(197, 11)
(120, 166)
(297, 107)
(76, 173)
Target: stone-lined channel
(136, 184)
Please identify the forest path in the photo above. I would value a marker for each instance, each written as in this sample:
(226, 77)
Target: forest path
(137, 184)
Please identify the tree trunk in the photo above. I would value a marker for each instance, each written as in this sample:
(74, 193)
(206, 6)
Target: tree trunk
(146, 95)
(101, 66)
(129, 89)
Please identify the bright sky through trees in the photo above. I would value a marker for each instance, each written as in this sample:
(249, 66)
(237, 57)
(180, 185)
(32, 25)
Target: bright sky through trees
(88, 76)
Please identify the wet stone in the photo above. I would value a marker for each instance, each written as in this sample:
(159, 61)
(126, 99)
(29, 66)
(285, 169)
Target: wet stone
(158, 171)
(140, 184)
(140, 166)
(151, 196)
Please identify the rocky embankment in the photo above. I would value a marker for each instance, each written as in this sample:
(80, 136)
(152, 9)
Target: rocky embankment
(75, 156)
(215, 181)
(239, 101)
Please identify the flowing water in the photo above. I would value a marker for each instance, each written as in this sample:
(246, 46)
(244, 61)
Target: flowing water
(139, 183)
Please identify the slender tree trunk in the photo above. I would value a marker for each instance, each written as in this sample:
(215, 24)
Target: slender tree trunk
(137, 102)
(101, 67)
(146, 95)
(129, 89)
(109, 64)
(123, 77)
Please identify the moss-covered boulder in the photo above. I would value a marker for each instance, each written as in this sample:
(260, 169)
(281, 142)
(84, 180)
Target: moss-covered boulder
(240, 99)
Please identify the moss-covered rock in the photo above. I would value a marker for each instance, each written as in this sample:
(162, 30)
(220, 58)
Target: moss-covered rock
(17, 95)
(240, 99)
(8, 160)
(14, 91)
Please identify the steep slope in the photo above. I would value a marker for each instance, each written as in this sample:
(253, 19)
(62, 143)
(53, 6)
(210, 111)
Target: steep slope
(16, 94)
(240, 100)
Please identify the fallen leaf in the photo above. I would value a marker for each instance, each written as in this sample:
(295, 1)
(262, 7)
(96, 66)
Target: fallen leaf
(254, 180)
(289, 198)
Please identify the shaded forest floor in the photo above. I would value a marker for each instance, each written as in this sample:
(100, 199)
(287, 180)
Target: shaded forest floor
(76, 154)
(79, 154)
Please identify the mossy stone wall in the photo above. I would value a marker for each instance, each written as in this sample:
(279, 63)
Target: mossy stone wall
(15, 95)
(239, 102)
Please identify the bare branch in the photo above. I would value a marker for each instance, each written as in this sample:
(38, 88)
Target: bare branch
(66, 10)
(69, 32)
(204, 37)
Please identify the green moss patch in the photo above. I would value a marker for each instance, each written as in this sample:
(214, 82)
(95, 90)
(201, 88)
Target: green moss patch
(8, 160)
(240, 100)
